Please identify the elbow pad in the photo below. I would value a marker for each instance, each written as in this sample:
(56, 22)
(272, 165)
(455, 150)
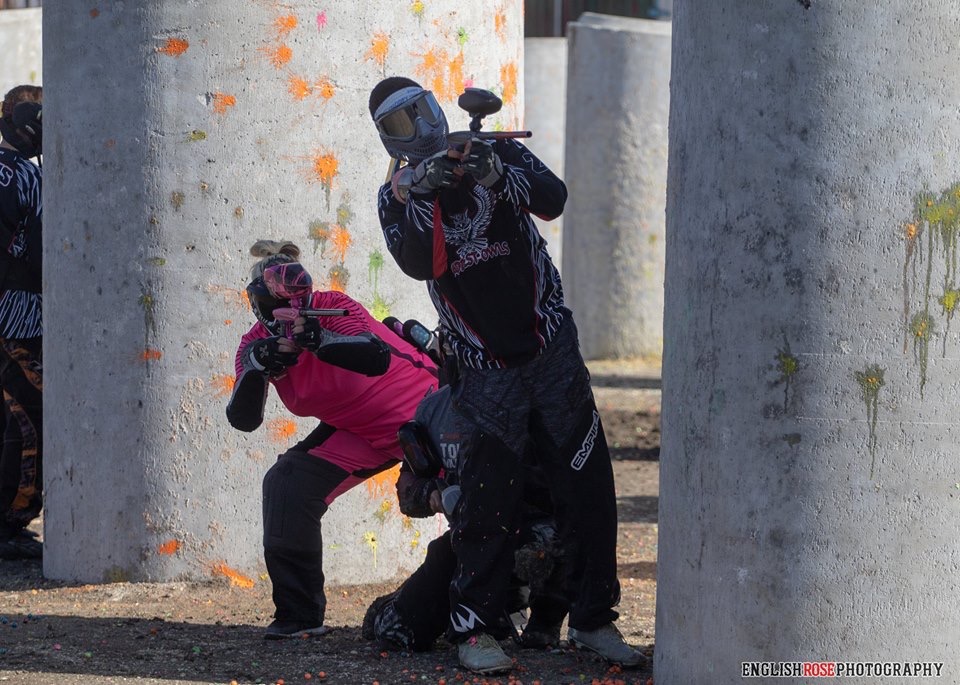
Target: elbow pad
(364, 353)
(245, 409)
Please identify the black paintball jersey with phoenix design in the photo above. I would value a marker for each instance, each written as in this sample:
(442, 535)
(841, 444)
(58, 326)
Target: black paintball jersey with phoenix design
(21, 209)
(497, 292)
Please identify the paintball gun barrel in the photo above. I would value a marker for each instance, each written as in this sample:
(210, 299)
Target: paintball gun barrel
(290, 313)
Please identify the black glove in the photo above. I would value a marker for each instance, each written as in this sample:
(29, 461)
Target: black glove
(432, 173)
(312, 336)
(483, 163)
(265, 355)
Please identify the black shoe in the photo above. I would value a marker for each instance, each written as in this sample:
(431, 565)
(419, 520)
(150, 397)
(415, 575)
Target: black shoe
(21, 545)
(539, 636)
(368, 627)
(282, 630)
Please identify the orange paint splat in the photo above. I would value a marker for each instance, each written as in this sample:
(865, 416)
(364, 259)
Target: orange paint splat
(279, 55)
(235, 577)
(94, 13)
(169, 547)
(298, 87)
(382, 484)
(231, 296)
(227, 322)
(340, 237)
(223, 384)
(508, 76)
(435, 67)
(456, 74)
(222, 102)
(285, 24)
(379, 47)
(338, 281)
(281, 430)
(150, 355)
(324, 167)
(500, 25)
(174, 47)
(325, 88)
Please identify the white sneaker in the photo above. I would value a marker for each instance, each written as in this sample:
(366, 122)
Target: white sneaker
(608, 643)
(482, 654)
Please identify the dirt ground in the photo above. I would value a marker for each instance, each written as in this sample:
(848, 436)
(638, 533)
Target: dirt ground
(166, 633)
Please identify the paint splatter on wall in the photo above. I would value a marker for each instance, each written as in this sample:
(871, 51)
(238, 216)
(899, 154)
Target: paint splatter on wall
(281, 429)
(870, 381)
(236, 578)
(379, 47)
(174, 47)
(222, 102)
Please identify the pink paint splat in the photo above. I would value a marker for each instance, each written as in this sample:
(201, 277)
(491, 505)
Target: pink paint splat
(321, 20)
(468, 83)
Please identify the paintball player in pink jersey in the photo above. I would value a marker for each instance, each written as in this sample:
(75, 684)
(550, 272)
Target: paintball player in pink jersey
(353, 374)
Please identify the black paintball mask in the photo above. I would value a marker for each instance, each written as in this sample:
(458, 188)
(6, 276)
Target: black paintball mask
(24, 128)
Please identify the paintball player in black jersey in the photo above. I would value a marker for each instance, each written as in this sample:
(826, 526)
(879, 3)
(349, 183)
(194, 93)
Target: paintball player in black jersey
(461, 221)
(21, 326)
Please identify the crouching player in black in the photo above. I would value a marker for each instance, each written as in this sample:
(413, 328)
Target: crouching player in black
(415, 615)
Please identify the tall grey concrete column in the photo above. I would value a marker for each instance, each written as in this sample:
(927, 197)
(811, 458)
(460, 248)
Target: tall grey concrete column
(177, 134)
(809, 495)
(616, 170)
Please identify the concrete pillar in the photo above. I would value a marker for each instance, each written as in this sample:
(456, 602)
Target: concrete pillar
(545, 98)
(177, 134)
(21, 59)
(616, 151)
(808, 483)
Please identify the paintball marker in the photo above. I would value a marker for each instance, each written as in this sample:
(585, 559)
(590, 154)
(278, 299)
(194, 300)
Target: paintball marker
(290, 313)
(478, 103)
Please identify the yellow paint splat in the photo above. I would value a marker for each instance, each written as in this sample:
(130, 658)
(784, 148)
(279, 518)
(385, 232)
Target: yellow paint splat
(380, 484)
(371, 540)
(222, 384)
(508, 77)
(382, 511)
(415, 542)
(235, 577)
(379, 47)
(169, 547)
(281, 430)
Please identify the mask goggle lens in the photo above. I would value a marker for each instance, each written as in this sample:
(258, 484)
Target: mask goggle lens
(402, 123)
(261, 299)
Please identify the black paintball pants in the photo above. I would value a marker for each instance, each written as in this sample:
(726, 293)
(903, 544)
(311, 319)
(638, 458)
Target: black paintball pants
(21, 459)
(548, 402)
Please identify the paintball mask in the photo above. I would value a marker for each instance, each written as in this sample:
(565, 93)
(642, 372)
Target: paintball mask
(281, 285)
(411, 124)
(24, 128)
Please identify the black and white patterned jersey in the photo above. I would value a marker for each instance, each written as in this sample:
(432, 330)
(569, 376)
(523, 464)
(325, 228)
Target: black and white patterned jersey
(497, 292)
(21, 208)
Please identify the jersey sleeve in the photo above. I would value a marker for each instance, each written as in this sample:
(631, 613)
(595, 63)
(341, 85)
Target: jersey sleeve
(528, 183)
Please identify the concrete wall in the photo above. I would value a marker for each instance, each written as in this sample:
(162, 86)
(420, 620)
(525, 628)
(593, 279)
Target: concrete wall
(177, 134)
(545, 98)
(616, 151)
(808, 484)
(21, 58)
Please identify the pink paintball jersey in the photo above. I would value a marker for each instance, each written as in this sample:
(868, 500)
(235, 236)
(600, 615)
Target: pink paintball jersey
(373, 408)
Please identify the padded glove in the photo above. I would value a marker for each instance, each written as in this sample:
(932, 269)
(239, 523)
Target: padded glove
(483, 163)
(265, 355)
(433, 173)
(312, 336)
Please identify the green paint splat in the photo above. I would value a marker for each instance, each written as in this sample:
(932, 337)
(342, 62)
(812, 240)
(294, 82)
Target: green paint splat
(871, 380)
(319, 232)
(176, 199)
(462, 36)
(380, 309)
(921, 328)
(149, 316)
(418, 8)
(787, 365)
(156, 261)
(196, 136)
